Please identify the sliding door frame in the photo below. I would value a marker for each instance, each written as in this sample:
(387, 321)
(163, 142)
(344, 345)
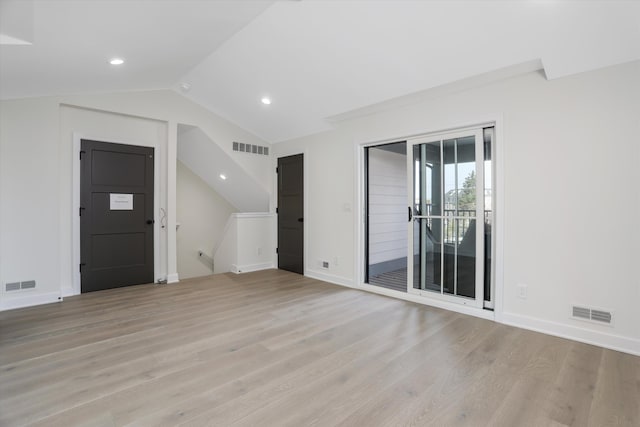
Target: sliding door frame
(495, 121)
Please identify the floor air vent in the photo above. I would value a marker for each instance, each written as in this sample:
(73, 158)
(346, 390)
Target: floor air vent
(591, 314)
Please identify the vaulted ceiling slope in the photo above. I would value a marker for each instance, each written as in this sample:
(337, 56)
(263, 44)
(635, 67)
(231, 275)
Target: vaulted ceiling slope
(73, 40)
(207, 160)
(314, 59)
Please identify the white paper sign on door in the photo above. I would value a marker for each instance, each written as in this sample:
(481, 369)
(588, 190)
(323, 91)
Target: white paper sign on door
(120, 202)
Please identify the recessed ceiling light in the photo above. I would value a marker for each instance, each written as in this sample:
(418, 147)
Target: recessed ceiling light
(266, 101)
(116, 61)
(223, 176)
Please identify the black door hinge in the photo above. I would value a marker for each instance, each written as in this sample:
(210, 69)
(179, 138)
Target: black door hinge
(81, 152)
(276, 210)
(81, 264)
(277, 250)
(80, 209)
(277, 170)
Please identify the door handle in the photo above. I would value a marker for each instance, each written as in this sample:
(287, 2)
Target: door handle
(150, 221)
(300, 219)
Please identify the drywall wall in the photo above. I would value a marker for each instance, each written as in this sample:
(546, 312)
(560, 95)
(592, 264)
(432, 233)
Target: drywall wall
(36, 176)
(388, 201)
(29, 201)
(225, 254)
(569, 173)
(256, 241)
(167, 105)
(202, 214)
(208, 160)
(248, 243)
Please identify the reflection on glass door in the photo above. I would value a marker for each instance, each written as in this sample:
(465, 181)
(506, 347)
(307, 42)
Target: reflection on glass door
(447, 231)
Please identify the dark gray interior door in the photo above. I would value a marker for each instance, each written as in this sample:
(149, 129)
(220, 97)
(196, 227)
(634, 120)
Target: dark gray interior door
(290, 214)
(116, 215)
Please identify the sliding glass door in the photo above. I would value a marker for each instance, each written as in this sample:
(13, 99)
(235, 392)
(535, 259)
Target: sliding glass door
(447, 216)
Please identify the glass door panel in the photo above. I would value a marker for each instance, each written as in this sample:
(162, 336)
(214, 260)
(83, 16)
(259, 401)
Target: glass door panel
(466, 258)
(426, 164)
(446, 202)
(427, 172)
(427, 258)
(386, 215)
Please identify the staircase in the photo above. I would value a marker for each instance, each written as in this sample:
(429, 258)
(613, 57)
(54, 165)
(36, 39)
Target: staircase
(247, 241)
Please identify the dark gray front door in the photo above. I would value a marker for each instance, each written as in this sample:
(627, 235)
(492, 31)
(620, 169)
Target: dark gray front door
(116, 215)
(290, 214)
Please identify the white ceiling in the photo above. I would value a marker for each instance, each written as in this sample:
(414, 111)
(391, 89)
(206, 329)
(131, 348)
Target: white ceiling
(315, 59)
(161, 40)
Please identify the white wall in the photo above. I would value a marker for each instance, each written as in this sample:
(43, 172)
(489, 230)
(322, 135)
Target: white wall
(208, 160)
(570, 173)
(173, 108)
(248, 243)
(29, 200)
(256, 241)
(225, 254)
(36, 175)
(202, 214)
(387, 205)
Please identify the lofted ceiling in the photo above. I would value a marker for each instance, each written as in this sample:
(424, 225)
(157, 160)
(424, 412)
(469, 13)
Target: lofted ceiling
(73, 40)
(316, 59)
(208, 160)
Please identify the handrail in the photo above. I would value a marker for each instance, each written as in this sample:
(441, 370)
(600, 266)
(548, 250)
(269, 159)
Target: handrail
(464, 217)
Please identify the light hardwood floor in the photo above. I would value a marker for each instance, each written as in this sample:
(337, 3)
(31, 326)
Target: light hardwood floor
(277, 349)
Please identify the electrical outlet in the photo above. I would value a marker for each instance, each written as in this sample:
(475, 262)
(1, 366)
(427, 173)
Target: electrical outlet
(522, 290)
(325, 264)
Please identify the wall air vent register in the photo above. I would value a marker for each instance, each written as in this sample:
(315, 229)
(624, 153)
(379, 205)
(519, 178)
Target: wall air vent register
(589, 314)
(250, 148)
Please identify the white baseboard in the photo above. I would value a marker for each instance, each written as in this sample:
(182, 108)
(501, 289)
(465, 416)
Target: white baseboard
(68, 292)
(29, 300)
(331, 278)
(248, 268)
(172, 278)
(459, 308)
(588, 336)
